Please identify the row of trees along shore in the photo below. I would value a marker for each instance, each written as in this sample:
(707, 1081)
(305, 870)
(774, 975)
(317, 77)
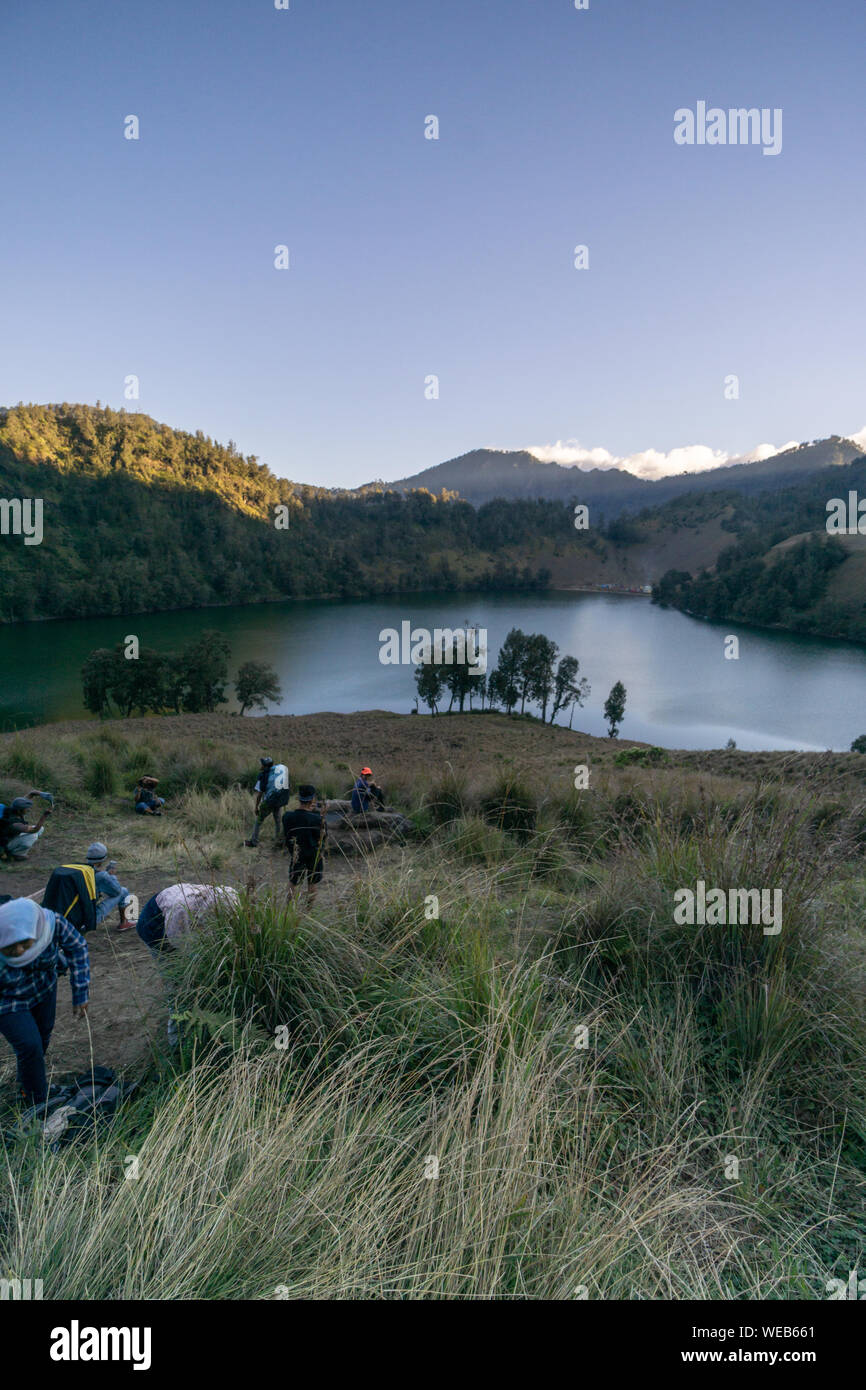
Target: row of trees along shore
(129, 679)
(132, 679)
(527, 672)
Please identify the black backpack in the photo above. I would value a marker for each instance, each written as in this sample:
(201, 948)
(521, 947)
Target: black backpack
(71, 892)
(74, 1109)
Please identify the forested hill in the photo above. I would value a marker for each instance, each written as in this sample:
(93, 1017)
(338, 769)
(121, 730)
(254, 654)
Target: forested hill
(784, 570)
(139, 517)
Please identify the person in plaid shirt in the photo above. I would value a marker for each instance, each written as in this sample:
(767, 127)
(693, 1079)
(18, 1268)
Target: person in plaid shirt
(31, 939)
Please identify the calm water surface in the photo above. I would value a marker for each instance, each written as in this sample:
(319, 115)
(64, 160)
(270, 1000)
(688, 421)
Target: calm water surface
(782, 692)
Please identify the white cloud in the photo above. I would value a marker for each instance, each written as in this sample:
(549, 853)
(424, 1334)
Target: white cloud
(652, 463)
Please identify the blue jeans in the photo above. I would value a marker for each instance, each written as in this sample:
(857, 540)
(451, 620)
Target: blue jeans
(29, 1032)
(106, 905)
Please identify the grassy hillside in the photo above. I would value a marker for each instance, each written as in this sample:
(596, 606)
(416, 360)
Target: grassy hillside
(436, 1126)
(783, 569)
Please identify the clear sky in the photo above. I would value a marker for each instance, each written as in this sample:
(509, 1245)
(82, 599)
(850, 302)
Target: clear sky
(409, 256)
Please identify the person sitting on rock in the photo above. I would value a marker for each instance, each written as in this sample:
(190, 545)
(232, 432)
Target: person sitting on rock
(147, 803)
(365, 793)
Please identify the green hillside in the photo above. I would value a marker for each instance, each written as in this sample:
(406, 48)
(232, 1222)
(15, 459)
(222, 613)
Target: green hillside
(139, 517)
(783, 570)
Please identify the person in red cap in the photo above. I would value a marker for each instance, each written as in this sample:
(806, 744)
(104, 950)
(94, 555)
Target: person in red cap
(365, 792)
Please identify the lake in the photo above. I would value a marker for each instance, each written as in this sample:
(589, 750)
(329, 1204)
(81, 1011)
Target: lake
(782, 692)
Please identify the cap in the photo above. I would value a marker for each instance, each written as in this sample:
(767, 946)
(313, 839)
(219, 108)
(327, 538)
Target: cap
(307, 792)
(96, 851)
(366, 772)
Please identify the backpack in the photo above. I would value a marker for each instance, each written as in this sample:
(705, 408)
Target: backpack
(73, 1109)
(71, 891)
(278, 781)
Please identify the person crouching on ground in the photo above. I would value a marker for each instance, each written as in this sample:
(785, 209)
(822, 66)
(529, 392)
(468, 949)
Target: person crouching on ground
(17, 837)
(365, 793)
(305, 831)
(147, 803)
(272, 793)
(31, 938)
(110, 891)
(170, 913)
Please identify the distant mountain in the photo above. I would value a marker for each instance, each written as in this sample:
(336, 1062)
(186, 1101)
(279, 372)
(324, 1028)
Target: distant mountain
(485, 474)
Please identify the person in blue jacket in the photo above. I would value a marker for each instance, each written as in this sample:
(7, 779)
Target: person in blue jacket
(110, 890)
(31, 939)
(365, 793)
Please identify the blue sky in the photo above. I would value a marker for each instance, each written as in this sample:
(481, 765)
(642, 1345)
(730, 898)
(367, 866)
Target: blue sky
(411, 256)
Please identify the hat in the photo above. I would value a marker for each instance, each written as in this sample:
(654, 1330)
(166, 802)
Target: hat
(22, 803)
(366, 772)
(153, 780)
(306, 792)
(266, 762)
(95, 852)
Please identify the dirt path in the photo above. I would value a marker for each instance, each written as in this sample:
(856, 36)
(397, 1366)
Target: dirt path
(127, 1013)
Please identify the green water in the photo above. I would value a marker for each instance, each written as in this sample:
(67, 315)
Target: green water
(782, 692)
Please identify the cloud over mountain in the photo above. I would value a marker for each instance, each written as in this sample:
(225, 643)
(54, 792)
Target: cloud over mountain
(653, 463)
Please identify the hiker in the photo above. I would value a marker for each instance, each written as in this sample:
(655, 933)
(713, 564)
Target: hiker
(31, 938)
(365, 791)
(272, 794)
(147, 803)
(305, 832)
(17, 837)
(169, 913)
(110, 891)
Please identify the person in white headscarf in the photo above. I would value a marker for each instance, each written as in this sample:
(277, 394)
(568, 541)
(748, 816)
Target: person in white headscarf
(31, 939)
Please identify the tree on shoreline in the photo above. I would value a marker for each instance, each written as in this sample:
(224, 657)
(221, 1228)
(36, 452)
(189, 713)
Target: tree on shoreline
(256, 684)
(614, 709)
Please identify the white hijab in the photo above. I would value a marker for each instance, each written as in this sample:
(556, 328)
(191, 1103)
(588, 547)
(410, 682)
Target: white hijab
(23, 920)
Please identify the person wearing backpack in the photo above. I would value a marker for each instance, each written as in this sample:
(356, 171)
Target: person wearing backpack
(272, 794)
(17, 836)
(305, 832)
(31, 939)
